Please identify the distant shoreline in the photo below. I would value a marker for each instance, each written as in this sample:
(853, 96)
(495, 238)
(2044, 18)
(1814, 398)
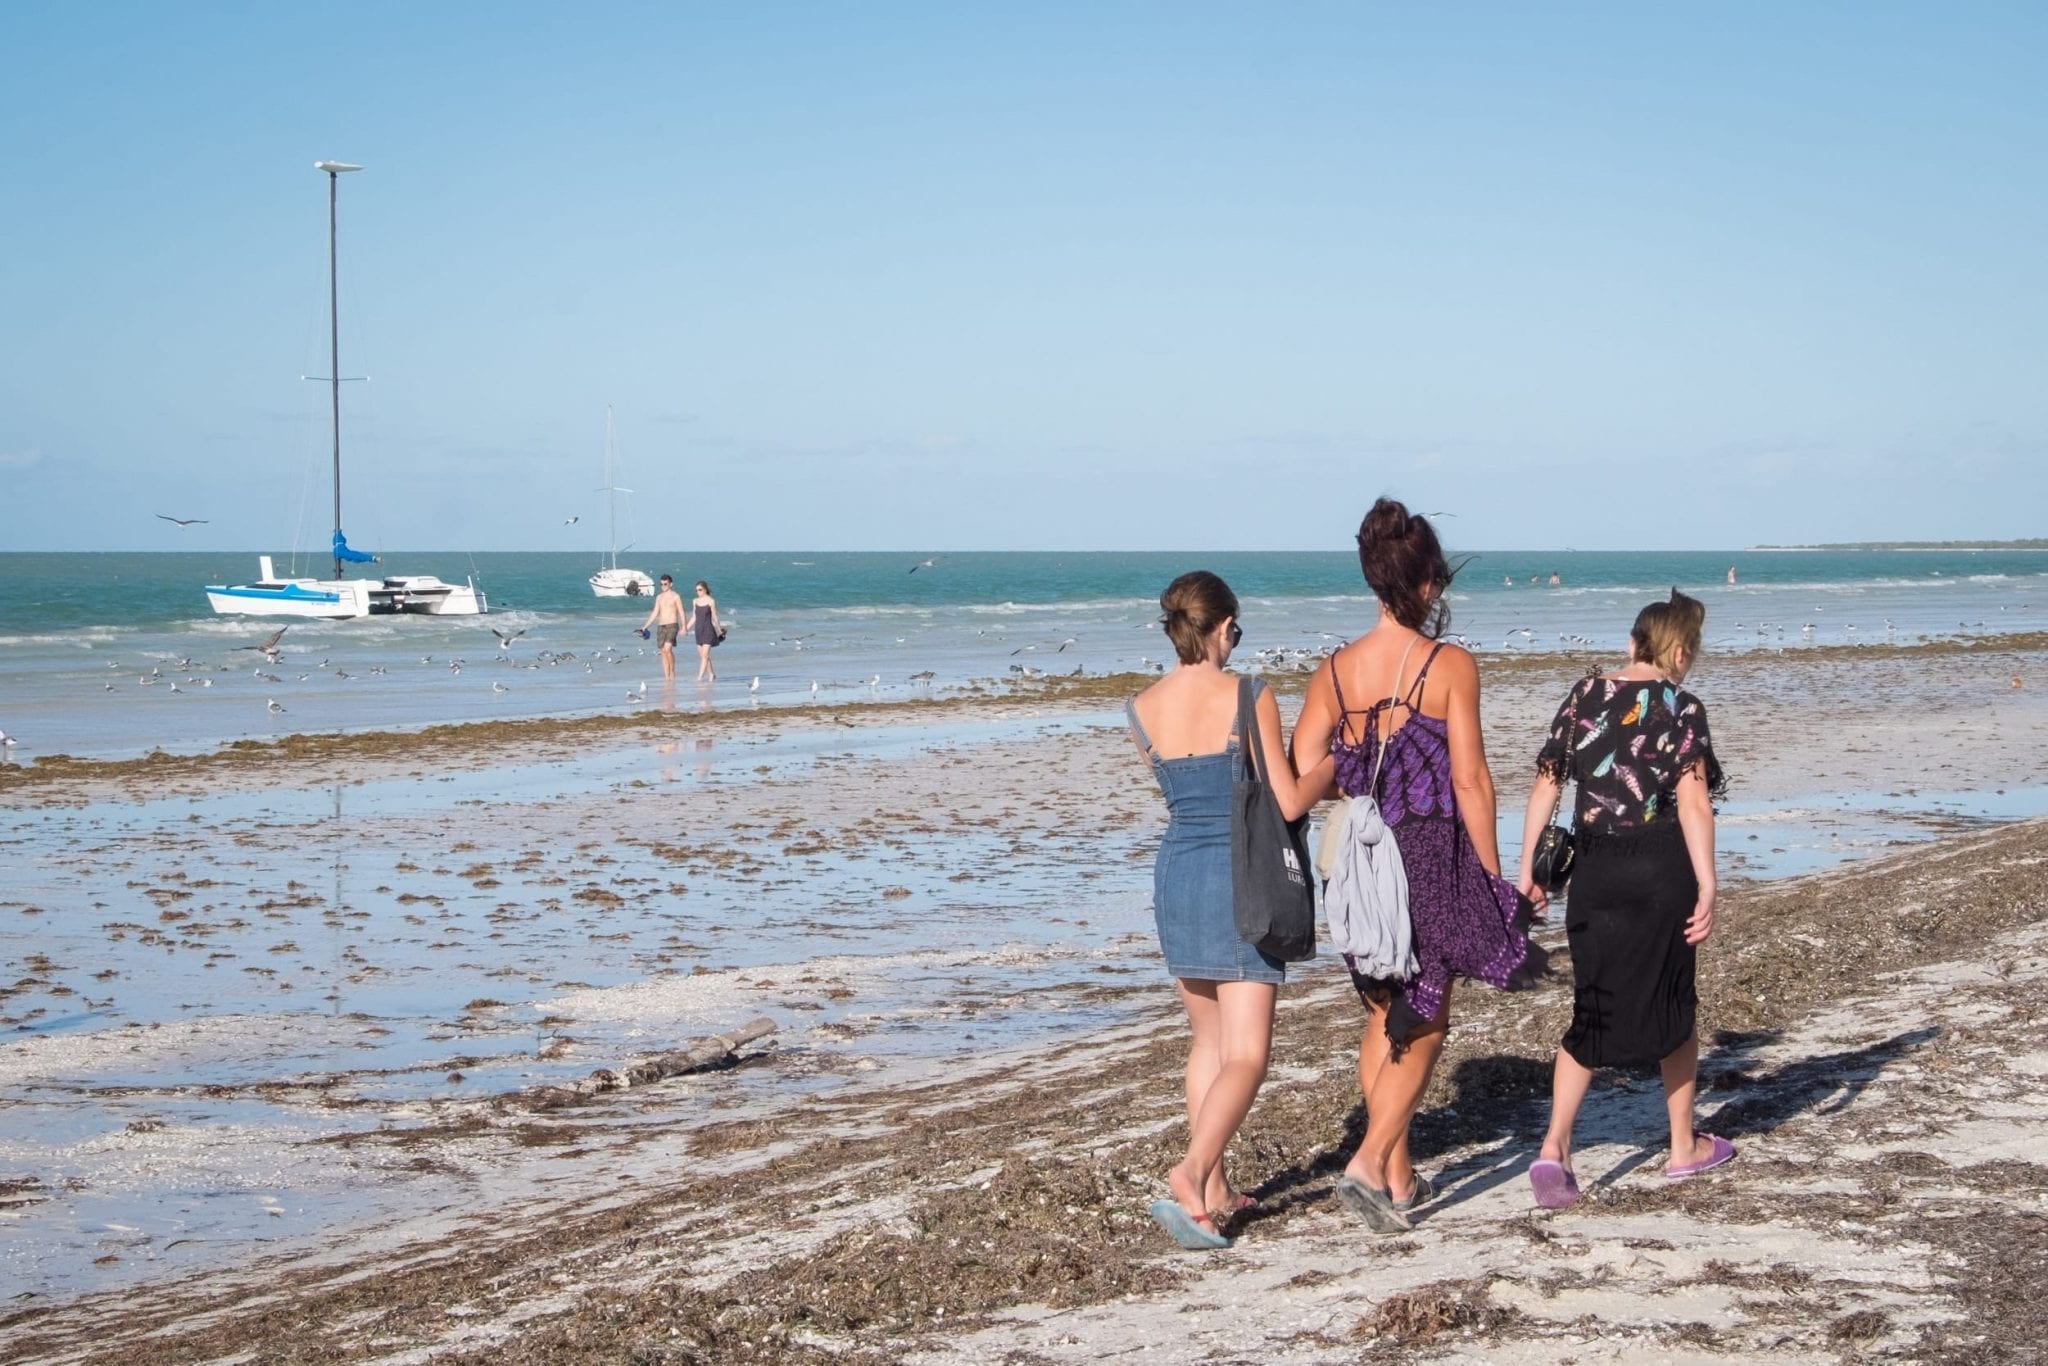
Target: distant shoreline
(1960, 547)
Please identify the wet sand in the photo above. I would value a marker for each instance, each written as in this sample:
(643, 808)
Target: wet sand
(941, 1135)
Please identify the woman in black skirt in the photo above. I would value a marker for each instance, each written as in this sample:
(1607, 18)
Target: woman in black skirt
(1642, 890)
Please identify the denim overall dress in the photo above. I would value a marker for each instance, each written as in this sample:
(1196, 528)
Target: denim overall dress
(1192, 902)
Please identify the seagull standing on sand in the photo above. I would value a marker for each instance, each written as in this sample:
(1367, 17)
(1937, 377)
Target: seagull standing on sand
(754, 686)
(7, 743)
(275, 707)
(499, 687)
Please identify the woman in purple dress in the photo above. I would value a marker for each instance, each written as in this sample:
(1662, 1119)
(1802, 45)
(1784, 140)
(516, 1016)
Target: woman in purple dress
(1642, 890)
(1400, 704)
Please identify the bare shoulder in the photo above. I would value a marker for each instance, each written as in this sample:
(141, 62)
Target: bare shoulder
(1455, 665)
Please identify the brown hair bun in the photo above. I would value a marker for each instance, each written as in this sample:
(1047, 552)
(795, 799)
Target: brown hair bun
(1403, 562)
(1191, 608)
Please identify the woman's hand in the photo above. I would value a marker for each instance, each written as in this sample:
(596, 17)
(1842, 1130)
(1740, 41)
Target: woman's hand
(1702, 922)
(1536, 896)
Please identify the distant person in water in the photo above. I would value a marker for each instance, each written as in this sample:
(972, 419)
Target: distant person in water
(1642, 888)
(705, 629)
(1186, 728)
(1731, 575)
(1508, 580)
(666, 617)
(1555, 579)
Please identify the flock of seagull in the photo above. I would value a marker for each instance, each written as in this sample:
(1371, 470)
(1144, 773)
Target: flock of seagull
(187, 674)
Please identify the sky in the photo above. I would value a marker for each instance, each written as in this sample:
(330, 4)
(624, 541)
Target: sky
(958, 277)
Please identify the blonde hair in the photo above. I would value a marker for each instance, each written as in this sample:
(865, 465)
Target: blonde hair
(1192, 606)
(1666, 630)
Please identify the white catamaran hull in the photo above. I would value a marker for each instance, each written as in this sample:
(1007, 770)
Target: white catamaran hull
(621, 583)
(411, 595)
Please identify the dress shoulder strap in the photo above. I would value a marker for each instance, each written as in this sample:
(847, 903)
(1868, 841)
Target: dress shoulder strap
(1414, 698)
(1138, 728)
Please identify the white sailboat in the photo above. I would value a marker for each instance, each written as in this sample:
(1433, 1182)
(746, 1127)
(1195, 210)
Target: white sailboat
(274, 596)
(612, 581)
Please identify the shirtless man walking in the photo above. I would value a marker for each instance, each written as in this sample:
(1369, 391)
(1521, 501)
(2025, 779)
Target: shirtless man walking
(667, 621)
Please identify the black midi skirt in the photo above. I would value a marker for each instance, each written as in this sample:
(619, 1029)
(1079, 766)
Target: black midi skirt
(1632, 971)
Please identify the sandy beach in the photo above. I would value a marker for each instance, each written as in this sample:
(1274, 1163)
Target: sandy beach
(288, 1084)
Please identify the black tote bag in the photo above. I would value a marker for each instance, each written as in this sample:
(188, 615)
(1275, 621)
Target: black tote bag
(1274, 901)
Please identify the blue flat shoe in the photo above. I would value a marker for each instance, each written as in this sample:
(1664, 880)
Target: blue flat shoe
(1186, 1229)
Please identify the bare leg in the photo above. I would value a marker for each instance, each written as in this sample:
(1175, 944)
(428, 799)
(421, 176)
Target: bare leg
(704, 669)
(1397, 1089)
(668, 663)
(1205, 1060)
(1243, 1034)
(1681, 1070)
(1372, 1055)
(1569, 1080)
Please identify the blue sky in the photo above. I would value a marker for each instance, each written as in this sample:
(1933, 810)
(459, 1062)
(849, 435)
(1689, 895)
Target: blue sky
(961, 277)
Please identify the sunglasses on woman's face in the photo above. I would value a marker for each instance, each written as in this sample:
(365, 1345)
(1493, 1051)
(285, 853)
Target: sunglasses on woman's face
(1234, 634)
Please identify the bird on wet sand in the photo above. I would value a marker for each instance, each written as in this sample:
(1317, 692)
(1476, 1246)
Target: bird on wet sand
(275, 707)
(755, 685)
(499, 687)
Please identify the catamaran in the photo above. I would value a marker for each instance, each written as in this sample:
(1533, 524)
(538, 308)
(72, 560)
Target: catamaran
(612, 581)
(274, 595)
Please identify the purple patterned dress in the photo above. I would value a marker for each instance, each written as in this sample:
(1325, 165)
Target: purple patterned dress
(1466, 921)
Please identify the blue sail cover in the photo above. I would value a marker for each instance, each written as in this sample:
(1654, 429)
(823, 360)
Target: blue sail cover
(345, 555)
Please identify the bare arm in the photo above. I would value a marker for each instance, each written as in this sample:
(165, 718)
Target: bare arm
(1542, 801)
(1316, 727)
(1696, 818)
(1295, 795)
(712, 603)
(1470, 778)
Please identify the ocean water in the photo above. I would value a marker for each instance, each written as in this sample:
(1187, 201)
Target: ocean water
(80, 632)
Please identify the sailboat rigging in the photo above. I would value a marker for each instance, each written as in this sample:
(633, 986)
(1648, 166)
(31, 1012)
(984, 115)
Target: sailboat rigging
(612, 581)
(412, 594)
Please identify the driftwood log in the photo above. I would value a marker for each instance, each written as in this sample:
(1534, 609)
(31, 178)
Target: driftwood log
(716, 1051)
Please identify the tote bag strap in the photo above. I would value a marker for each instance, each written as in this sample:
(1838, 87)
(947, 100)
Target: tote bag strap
(1253, 752)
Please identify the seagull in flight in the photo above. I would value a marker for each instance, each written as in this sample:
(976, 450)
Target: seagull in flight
(924, 564)
(573, 520)
(505, 638)
(183, 522)
(268, 647)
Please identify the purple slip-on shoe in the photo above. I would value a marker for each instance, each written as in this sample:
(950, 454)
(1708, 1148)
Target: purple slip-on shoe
(1555, 1187)
(1719, 1151)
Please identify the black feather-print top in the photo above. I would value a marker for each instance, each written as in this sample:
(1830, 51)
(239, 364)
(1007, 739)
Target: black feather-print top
(1628, 743)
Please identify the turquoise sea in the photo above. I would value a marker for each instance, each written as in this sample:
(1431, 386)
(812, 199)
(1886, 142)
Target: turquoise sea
(79, 633)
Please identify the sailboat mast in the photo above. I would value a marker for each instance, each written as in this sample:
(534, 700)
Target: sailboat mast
(611, 482)
(334, 350)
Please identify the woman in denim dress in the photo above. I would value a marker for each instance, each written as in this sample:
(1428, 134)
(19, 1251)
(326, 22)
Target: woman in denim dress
(1186, 727)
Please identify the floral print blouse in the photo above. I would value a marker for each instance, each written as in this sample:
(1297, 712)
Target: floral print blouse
(1627, 743)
